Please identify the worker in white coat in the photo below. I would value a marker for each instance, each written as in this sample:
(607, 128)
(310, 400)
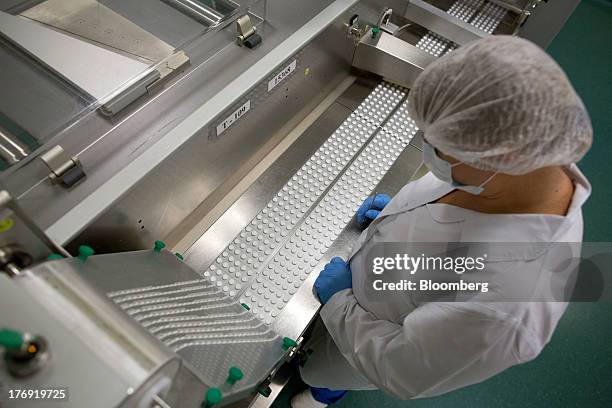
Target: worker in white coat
(503, 129)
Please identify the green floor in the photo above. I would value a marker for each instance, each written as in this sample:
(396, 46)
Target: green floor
(575, 369)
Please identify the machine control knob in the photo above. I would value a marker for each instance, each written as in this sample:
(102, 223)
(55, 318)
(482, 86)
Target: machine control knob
(24, 354)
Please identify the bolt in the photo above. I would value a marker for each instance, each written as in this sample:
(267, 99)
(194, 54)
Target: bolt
(85, 252)
(235, 375)
(159, 245)
(213, 396)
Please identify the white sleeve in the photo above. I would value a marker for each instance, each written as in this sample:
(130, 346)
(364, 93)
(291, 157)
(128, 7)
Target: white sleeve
(438, 348)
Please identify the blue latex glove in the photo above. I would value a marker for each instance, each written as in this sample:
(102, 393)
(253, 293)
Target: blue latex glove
(336, 276)
(371, 207)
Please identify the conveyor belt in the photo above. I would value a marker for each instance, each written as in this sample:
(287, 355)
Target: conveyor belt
(270, 259)
(480, 13)
(273, 255)
(202, 319)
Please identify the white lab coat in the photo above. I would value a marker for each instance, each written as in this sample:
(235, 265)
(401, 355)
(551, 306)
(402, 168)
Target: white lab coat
(410, 349)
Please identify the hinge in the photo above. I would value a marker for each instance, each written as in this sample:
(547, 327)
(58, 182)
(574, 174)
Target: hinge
(65, 170)
(247, 33)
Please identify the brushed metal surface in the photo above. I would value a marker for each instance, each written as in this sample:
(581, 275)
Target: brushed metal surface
(86, 333)
(105, 146)
(184, 138)
(201, 173)
(391, 58)
(189, 315)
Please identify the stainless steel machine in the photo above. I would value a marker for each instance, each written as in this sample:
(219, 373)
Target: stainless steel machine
(213, 154)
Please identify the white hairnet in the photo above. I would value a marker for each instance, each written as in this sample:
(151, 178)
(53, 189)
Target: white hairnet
(501, 104)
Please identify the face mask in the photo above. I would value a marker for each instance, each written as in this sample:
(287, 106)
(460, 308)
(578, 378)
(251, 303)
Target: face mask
(443, 170)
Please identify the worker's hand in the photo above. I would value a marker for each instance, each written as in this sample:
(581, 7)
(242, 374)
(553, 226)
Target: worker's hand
(336, 276)
(370, 208)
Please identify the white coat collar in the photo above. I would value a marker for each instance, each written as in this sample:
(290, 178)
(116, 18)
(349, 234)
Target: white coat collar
(525, 227)
(428, 188)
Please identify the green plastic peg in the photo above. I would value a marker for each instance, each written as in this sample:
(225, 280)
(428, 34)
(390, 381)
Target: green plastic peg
(288, 343)
(213, 397)
(375, 31)
(179, 256)
(11, 339)
(85, 252)
(245, 306)
(235, 375)
(54, 256)
(159, 245)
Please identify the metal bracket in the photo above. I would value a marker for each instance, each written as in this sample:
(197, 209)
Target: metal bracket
(390, 57)
(247, 33)
(65, 170)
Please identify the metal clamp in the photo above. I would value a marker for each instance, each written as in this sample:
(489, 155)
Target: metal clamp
(354, 30)
(65, 170)
(247, 33)
(384, 21)
(385, 17)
